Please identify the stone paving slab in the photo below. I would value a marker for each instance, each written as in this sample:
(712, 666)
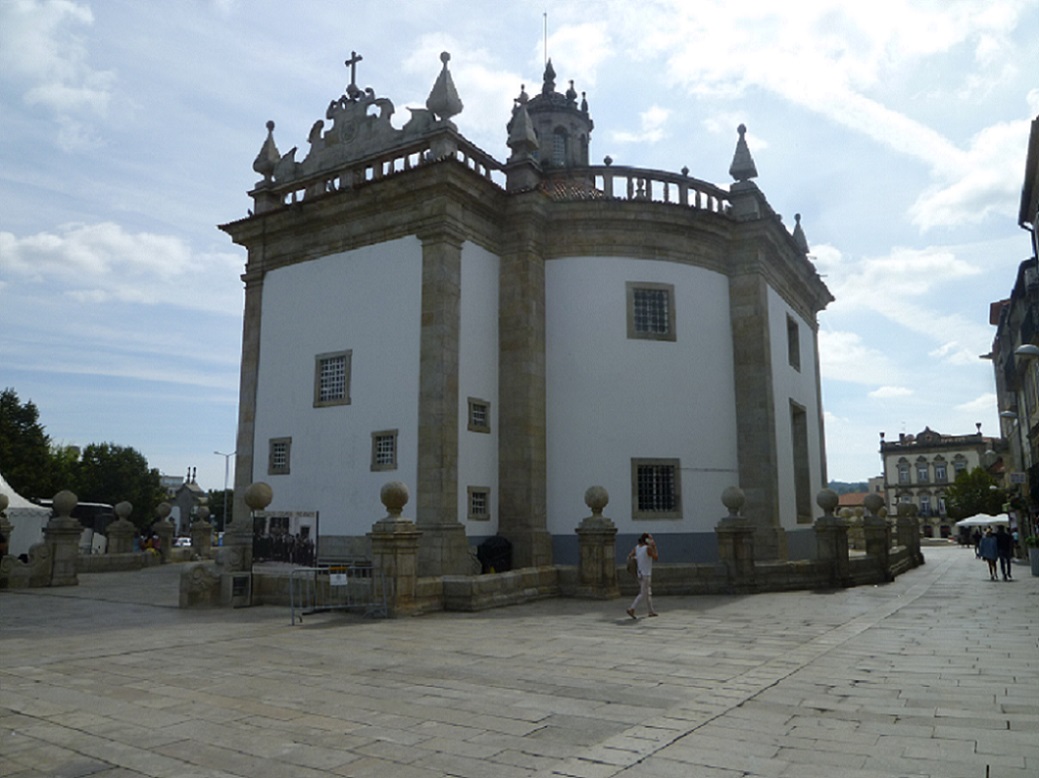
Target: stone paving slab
(935, 674)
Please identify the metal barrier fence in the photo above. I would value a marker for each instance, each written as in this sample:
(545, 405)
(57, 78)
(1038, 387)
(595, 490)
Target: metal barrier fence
(355, 587)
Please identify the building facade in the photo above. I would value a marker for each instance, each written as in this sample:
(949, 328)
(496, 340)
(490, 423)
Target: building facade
(1015, 356)
(500, 336)
(918, 469)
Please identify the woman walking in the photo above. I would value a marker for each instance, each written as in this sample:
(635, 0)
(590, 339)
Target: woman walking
(644, 554)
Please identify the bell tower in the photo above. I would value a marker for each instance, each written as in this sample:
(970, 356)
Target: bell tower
(562, 124)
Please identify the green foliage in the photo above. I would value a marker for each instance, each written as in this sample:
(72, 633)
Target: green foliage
(974, 492)
(216, 507)
(842, 487)
(24, 447)
(110, 473)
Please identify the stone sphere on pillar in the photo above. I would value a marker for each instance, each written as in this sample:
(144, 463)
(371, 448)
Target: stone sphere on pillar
(733, 499)
(123, 510)
(4, 502)
(873, 502)
(828, 500)
(203, 514)
(65, 502)
(394, 496)
(596, 498)
(258, 495)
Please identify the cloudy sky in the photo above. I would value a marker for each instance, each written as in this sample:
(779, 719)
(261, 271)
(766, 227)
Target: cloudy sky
(897, 129)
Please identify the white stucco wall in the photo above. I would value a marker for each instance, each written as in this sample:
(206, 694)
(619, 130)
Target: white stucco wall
(799, 386)
(611, 398)
(368, 301)
(478, 377)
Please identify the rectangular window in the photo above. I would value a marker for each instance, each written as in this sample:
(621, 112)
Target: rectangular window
(923, 473)
(903, 473)
(925, 505)
(793, 343)
(479, 503)
(656, 489)
(479, 415)
(651, 311)
(384, 450)
(940, 473)
(802, 467)
(332, 379)
(959, 466)
(278, 456)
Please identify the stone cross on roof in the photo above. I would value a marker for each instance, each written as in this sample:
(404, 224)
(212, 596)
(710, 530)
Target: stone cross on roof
(352, 89)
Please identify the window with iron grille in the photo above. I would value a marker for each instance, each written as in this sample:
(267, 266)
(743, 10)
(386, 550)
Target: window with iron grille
(651, 311)
(793, 343)
(332, 379)
(479, 503)
(384, 450)
(479, 415)
(656, 489)
(278, 456)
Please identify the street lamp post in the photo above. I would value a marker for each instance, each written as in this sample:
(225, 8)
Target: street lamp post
(227, 465)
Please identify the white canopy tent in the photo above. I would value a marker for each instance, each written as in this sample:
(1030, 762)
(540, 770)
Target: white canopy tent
(983, 520)
(28, 520)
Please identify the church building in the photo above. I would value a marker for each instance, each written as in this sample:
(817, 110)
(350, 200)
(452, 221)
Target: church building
(501, 336)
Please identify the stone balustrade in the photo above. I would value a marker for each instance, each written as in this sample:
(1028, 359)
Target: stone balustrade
(607, 182)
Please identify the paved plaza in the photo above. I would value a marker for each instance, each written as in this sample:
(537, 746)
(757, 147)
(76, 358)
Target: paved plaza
(936, 674)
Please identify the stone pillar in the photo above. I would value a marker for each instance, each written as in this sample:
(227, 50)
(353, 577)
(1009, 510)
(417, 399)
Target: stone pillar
(236, 555)
(61, 535)
(736, 541)
(831, 538)
(877, 533)
(443, 549)
(121, 531)
(164, 528)
(597, 540)
(522, 459)
(395, 551)
(201, 534)
(907, 528)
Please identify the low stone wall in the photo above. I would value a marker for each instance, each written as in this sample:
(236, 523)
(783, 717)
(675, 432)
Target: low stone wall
(480, 592)
(113, 563)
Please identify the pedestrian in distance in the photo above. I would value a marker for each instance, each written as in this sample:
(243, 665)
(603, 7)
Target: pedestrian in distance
(644, 554)
(988, 551)
(1005, 551)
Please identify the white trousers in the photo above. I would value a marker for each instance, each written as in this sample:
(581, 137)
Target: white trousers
(645, 593)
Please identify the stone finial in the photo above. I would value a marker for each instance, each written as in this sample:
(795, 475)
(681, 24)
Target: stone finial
(203, 514)
(258, 495)
(549, 85)
(596, 498)
(443, 99)
(4, 502)
(523, 139)
(799, 234)
(584, 103)
(123, 510)
(742, 167)
(162, 511)
(607, 160)
(394, 496)
(64, 503)
(733, 499)
(873, 503)
(268, 157)
(571, 94)
(828, 500)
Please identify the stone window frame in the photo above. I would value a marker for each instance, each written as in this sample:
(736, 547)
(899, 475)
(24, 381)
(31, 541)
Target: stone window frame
(904, 472)
(279, 456)
(474, 496)
(560, 153)
(793, 342)
(319, 363)
(631, 290)
(959, 465)
(476, 407)
(380, 437)
(639, 512)
(941, 471)
(923, 471)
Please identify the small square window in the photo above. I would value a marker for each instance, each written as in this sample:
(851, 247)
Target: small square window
(479, 503)
(479, 415)
(651, 311)
(332, 379)
(384, 450)
(656, 489)
(278, 456)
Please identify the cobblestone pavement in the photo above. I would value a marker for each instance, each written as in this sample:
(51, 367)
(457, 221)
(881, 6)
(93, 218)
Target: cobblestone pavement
(936, 674)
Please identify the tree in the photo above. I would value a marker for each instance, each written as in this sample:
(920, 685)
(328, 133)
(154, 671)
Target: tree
(974, 492)
(216, 506)
(110, 473)
(24, 447)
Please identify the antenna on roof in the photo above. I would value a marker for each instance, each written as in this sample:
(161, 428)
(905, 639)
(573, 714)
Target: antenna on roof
(545, 15)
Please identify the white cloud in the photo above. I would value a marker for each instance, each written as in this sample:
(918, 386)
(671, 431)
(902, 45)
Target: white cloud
(98, 263)
(43, 51)
(844, 356)
(986, 403)
(888, 392)
(651, 129)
